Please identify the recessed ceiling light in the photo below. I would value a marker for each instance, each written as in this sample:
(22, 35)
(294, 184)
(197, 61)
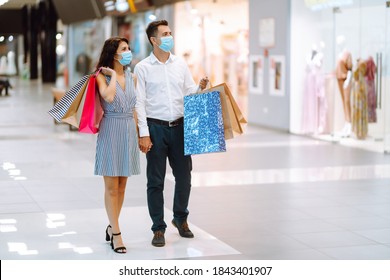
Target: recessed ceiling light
(109, 3)
(121, 5)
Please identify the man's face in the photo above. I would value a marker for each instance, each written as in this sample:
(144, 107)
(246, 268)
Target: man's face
(162, 31)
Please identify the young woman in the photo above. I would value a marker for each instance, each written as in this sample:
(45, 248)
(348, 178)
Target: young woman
(117, 153)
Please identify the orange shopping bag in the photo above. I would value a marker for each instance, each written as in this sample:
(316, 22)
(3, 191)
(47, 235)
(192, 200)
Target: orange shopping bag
(233, 119)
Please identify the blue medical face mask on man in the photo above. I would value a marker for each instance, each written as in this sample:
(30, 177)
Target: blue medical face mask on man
(127, 56)
(166, 43)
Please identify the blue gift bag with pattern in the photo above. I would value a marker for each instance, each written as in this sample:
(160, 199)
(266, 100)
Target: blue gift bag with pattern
(203, 124)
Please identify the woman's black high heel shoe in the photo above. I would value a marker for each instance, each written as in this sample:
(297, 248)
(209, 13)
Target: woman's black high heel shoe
(119, 250)
(107, 235)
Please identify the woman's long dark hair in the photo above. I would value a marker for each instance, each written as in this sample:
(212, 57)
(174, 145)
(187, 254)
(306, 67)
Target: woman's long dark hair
(108, 52)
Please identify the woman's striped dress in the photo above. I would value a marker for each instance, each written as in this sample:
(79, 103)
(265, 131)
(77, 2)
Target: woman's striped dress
(117, 152)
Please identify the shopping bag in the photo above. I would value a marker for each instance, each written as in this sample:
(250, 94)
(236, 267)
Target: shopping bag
(203, 124)
(69, 102)
(92, 112)
(233, 119)
(72, 116)
(79, 111)
(240, 117)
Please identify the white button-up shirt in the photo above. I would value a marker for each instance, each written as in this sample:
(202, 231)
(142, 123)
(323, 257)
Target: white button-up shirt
(161, 88)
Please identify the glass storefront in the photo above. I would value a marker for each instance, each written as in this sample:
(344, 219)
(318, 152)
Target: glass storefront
(339, 75)
(133, 28)
(386, 81)
(85, 41)
(212, 36)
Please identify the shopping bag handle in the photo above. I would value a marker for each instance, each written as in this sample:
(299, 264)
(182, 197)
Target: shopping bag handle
(97, 72)
(210, 86)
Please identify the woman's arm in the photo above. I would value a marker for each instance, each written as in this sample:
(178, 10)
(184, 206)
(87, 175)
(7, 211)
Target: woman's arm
(107, 92)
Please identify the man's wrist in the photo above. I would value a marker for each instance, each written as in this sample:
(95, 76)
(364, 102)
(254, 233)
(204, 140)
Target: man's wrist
(143, 132)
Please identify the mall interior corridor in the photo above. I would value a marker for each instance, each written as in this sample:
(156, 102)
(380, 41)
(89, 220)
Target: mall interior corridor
(271, 196)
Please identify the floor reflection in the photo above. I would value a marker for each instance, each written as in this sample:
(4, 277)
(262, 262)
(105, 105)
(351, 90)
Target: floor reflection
(290, 175)
(65, 242)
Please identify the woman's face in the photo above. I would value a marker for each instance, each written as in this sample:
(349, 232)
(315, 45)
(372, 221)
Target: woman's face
(123, 47)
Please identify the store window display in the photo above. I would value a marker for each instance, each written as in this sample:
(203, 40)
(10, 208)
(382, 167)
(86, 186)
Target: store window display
(213, 39)
(355, 37)
(84, 39)
(363, 97)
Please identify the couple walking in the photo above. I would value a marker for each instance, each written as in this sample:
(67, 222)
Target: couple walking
(144, 112)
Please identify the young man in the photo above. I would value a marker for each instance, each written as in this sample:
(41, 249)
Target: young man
(163, 80)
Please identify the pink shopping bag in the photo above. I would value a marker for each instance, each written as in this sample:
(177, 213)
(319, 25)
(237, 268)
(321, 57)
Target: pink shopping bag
(92, 111)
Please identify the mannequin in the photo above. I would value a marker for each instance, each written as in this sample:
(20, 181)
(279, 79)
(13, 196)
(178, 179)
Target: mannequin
(11, 67)
(344, 77)
(3, 65)
(314, 102)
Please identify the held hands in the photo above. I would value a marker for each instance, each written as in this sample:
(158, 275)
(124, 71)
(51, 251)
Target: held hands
(145, 144)
(203, 83)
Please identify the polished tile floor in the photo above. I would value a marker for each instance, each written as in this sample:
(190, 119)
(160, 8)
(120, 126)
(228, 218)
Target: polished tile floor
(272, 196)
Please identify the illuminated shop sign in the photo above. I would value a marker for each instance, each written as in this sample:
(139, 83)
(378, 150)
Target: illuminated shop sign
(316, 5)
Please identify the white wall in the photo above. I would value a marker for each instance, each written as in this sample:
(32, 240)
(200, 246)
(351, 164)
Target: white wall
(265, 109)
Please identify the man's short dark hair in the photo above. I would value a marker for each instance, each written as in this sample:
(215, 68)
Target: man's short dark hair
(151, 30)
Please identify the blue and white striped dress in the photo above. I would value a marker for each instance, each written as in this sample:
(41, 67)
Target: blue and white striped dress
(117, 152)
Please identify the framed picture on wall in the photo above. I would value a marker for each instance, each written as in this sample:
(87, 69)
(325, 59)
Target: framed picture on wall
(267, 32)
(256, 74)
(277, 75)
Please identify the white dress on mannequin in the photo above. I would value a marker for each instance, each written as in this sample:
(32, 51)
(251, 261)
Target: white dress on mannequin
(11, 69)
(3, 65)
(314, 101)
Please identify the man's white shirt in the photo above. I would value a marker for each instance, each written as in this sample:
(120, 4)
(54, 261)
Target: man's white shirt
(161, 88)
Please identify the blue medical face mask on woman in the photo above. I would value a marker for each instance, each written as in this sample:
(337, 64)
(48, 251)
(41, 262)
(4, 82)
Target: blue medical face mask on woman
(127, 56)
(166, 43)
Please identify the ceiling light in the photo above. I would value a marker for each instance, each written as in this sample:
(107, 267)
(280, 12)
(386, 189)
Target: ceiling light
(2, 2)
(109, 3)
(110, 8)
(121, 5)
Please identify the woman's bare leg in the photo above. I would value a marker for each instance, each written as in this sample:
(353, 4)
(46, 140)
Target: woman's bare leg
(121, 192)
(112, 198)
